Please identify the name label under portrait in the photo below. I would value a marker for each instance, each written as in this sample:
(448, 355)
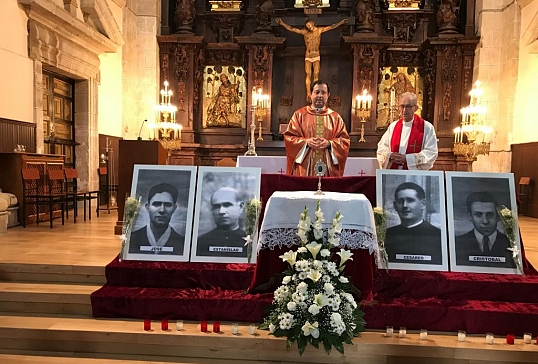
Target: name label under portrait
(413, 257)
(226, 249)
(480, 258)
(147, 248)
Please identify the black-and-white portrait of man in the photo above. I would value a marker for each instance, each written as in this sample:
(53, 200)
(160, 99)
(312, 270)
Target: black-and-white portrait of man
(416, 232)
(162, 230)
(219, 228)
(477, 239)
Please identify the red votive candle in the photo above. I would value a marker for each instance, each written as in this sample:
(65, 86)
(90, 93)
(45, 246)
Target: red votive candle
(147, 325)
(203, 326)
(164, 324)
(510, 339)
(216, 327)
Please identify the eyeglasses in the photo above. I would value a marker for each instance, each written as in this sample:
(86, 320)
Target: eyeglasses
(406, 106)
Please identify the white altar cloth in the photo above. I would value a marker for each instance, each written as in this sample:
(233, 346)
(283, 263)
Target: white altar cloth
(277, 165)
(282, 214)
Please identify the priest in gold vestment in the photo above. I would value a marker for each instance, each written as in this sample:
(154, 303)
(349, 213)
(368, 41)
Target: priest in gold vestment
(315, 133)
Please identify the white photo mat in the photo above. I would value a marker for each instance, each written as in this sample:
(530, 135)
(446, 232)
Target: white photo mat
(426, 251)
(209, 243)
(183, 179)
(459, 186)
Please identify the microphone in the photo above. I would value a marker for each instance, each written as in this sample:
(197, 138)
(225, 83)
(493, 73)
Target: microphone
(139, 137)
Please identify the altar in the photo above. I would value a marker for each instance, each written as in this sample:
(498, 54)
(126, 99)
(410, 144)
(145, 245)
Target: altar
(278, 232)
(355, 166)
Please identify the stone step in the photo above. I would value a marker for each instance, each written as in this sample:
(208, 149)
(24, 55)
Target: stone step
(46, 298)
(52, 273)
(126, 340)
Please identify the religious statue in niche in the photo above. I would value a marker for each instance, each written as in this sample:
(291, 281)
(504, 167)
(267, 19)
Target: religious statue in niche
(184, 16)
(446, 16)
(364, 15)
(264, 11)
(312, 39)
(394, 81)
(224, 88)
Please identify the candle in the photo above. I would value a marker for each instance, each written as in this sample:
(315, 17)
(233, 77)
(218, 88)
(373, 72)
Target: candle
(527, 338)
(403, 332)
(392, 96)
(253, 97)
(461, 336)
(510, 338)
(235, 328)
(216, 327)
(390, 331)
(423, 334)
(489, 338)
(164, 324)
(252, 329)
(203, 326)
(179, 325)
(147, 325)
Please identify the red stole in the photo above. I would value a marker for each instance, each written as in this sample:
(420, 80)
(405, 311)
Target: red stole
(416, 138)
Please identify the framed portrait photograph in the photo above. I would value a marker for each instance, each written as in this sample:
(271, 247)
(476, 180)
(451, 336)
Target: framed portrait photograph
(219, 221)
(478, 242)
(414, 202)
(163, 225)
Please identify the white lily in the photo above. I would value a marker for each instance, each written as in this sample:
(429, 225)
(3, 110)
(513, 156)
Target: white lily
(286, 280)
(314, 275)
(123, 238)
(320, 299)
(248, 240)
(310, 329)
(515, 252)
(289, 257)
(313, 248)
(345, 255)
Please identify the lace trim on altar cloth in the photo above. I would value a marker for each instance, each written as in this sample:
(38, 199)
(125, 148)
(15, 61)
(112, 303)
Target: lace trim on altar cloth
(286, 237)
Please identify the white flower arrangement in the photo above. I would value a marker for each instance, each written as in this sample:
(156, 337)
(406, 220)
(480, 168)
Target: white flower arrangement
(252, 214)
(509, 225)
(314, 304)
(380, 218)
(130, 211)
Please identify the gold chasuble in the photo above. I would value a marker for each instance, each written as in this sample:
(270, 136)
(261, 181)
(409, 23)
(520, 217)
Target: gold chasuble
(307, 123)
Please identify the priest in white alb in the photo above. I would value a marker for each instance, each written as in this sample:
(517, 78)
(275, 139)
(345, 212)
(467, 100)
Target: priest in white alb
(410, 142)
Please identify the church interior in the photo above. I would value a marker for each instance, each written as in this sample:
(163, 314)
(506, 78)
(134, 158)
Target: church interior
(83, 79)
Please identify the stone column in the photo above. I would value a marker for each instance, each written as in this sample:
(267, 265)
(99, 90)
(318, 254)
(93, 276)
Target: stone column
(38, 105)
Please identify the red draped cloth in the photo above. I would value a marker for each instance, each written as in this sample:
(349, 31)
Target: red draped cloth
(269, 265)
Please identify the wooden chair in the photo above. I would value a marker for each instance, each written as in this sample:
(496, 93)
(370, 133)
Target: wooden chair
(34, 192)
(75, 195)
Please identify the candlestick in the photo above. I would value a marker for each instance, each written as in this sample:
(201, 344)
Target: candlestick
(510, 338)
(489, 338)
(423, 334)
(527, 338)
(203, 326)
(389, 332)
(252, 329)
(147, 325)
(461, 336)
(179, 325)
(403, 332)
(164, 325)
